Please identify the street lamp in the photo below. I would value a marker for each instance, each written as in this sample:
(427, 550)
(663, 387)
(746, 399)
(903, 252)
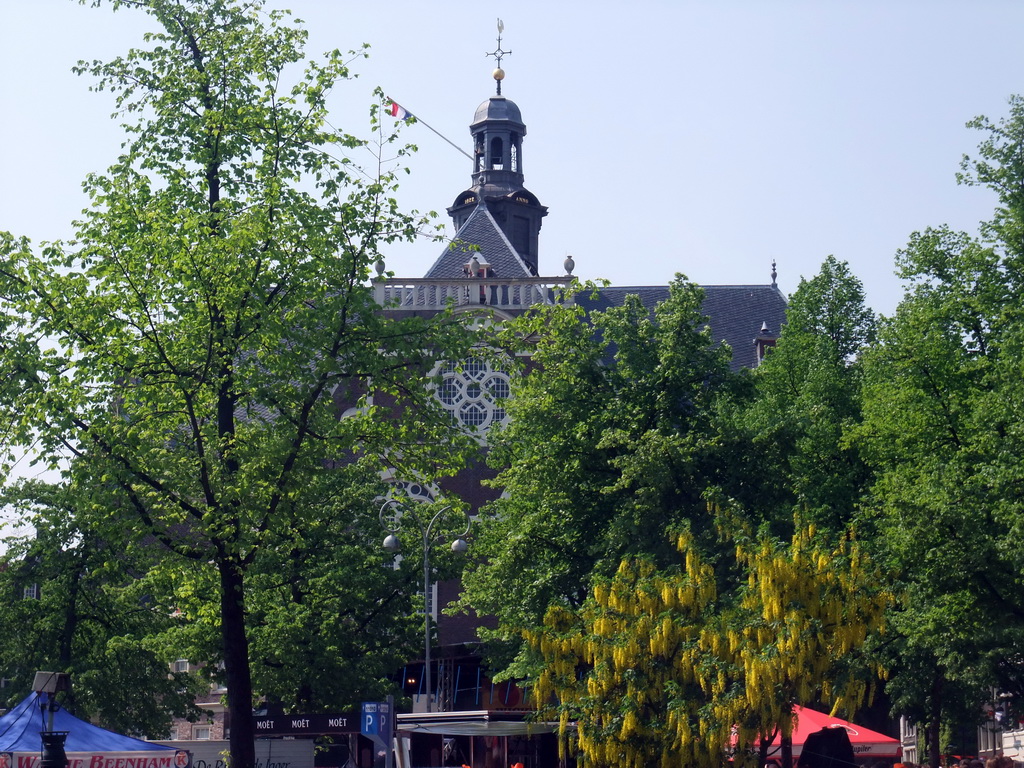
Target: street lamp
(50, 683)
(392, 524)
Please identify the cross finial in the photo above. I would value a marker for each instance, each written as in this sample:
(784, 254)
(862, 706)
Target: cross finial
(497, 53)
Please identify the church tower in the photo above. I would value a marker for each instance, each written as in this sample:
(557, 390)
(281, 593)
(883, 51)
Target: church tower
(498, 131)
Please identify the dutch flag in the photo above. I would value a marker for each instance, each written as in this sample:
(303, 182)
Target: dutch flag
(399, 112)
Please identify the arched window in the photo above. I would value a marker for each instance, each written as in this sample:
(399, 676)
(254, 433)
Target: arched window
(478, 150)
(497, 150)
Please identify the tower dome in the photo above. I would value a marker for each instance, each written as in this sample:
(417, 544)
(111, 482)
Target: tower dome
(499, 108)
(497, 179)
(498, 132)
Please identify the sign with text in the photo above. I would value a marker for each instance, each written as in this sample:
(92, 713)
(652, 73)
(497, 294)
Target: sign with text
(270, 753)
(147, 759)
(306, 725)
(376, 722)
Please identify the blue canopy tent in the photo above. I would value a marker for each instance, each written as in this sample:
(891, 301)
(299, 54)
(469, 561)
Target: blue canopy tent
(87, 745)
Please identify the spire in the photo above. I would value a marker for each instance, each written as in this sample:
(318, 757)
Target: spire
(498, 132)
(497, 178)
(497, 53)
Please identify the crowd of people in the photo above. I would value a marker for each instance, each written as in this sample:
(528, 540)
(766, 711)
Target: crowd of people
(999, 761)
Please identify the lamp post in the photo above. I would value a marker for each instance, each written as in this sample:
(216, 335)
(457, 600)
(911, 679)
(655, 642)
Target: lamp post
(50, 683)
(392, 524)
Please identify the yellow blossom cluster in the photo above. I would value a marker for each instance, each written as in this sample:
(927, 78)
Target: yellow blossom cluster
(658, 669)
(629, 667)
(806, 606)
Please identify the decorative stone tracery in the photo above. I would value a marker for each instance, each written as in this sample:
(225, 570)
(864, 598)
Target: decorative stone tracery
(474, 392)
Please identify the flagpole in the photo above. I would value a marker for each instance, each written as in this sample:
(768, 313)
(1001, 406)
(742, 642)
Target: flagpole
(418, 120)
(426, 125)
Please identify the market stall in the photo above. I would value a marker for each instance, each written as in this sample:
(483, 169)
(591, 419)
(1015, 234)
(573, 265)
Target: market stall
(868, 745)
(86, 745)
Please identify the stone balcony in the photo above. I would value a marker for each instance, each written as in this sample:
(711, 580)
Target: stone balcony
(419, 294)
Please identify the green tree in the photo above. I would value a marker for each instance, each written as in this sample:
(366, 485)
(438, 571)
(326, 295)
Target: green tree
(942, 429)
(331, 622)
(624, 426)
(789, 434)
(195, 345)
(72, 605)
(789, 440)
(610, 443)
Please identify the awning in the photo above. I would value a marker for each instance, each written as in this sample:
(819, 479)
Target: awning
(473, 723)
(19, 732)
(865, 742)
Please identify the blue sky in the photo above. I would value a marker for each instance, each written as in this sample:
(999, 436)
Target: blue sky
(707, 138)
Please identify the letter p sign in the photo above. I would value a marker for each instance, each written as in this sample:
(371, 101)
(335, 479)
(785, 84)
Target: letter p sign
(371, 719)
(376, 724)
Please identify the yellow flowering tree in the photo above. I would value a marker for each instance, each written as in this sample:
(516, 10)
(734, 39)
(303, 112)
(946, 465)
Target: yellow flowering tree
(661, 667)
(628, 669)
(805, 612)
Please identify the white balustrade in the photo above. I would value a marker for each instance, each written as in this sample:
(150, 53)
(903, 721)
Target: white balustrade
(431, 294)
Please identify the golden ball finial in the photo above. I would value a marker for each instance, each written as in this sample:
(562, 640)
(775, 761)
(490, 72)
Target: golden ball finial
(499, 74)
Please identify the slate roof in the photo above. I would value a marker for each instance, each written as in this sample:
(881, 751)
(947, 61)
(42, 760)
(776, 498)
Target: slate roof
(481, 230)
(735, 313)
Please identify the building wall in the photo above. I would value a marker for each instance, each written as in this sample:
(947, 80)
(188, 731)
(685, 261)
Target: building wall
(213, 725)
(270, 753)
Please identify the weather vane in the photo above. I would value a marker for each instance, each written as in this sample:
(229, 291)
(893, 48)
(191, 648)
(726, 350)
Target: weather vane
(497, 53)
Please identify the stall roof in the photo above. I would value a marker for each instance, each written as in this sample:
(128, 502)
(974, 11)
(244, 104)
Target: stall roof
(864, 741)
(19, 731)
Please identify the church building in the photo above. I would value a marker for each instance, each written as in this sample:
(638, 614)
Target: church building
(495, 262)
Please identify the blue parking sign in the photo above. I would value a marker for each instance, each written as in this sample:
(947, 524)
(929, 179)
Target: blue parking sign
(376, 721)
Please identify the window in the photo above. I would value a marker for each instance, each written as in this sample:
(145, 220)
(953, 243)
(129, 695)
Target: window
(521, 235)
(181, 665)
(431, 604)
(201, 732)
(31, 592)
(497, 149)
(474, 393)
(219, 686)
(449, 393)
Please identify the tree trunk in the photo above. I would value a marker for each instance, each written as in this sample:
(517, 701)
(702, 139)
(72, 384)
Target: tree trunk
(934, 721)
(787, 737)
(236, 665)
(762, 752)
